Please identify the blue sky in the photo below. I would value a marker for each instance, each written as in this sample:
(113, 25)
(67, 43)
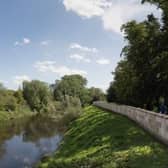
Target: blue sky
(46, 39)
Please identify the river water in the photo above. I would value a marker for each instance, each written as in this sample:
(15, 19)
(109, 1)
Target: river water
(24, 142)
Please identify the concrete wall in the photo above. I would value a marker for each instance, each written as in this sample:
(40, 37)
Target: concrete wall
(154, 123)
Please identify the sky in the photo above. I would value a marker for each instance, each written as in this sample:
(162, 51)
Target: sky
(47, 39)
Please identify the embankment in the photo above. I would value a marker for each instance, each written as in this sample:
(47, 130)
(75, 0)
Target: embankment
(154, 123)
(99, 139)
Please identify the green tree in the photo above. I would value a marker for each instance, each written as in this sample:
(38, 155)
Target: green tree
(71, 85)
(19, 97)
(96, 94)
(7, 100)
(141, 77)
(37, 94)
(111, 93)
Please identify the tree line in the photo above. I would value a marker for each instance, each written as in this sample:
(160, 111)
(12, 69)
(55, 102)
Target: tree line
(69, 91)
(141, 77)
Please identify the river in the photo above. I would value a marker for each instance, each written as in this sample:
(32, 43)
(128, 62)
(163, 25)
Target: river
(25, 141)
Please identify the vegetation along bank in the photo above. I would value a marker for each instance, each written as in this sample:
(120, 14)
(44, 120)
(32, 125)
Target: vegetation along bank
(63, 99)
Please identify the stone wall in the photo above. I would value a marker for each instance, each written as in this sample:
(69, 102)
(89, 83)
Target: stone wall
(154, 123)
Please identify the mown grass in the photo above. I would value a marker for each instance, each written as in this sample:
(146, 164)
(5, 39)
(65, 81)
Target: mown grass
(99, 139)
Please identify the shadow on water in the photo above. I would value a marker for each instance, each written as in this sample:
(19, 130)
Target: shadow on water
(25, 141)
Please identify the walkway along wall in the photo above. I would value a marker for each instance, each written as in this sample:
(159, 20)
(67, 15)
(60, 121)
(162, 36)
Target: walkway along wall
(155, 123)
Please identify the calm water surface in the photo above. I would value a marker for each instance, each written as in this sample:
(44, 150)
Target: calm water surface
(24, 142)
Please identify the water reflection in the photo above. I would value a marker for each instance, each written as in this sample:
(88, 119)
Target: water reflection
(23, 142)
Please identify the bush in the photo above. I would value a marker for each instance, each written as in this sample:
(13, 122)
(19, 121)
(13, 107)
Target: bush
(37, 94)
(7, 100)
(72, 108)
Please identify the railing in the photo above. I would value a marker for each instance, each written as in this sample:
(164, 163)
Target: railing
(154, 123)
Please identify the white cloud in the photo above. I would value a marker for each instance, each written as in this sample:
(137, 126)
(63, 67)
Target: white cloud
(50, 66)
(80, 58)
(103, 61)
(83, 48)
(17, 43)
(103, 87)
(87, 8)
(122, 12)
(45, 43)
(44, 66)
(113, 13)
(24, 41)
(4, 82)
(113, 19)
(19, 79)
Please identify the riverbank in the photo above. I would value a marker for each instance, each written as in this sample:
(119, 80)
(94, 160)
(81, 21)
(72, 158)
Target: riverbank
(13, 115)
(105, 140)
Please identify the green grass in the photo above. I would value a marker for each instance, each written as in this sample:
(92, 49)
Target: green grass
(6, 116)
(99, 139)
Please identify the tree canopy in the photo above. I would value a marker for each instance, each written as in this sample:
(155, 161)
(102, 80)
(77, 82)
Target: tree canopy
(75, 86)
(72, 85)
(37, 94)
(141, 77)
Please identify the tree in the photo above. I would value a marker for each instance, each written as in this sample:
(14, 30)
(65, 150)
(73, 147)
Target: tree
(71, 85)
(96, 94)
(163, 5)
(122, 89)
(111, 93)
(19, 97)
(142, 77)
(7, 100)
(37, 94)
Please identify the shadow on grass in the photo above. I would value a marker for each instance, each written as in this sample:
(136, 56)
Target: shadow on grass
(102, 139)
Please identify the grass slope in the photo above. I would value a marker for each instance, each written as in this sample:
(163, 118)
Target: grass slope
(99, 139)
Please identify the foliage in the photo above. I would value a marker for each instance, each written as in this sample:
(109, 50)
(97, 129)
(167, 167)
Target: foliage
(61, 101)
(75, 86)
(37, 94)
(72, 108)
(7, 117)
(19, 97)
(8, 101)
(97, 140)
(72, 85)
(12, 105)
(141, 77)
(66, 110)
(96, 94)
(111, 93)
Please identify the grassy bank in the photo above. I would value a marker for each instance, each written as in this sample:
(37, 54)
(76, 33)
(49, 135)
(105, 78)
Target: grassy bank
(99, 139)
(6, 116)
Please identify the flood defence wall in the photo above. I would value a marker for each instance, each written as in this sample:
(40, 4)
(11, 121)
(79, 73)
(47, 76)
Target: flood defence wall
(154, 123)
